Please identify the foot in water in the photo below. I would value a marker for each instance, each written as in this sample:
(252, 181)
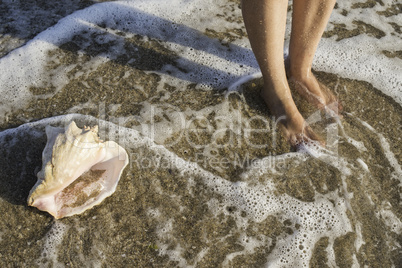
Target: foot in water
(288, 118)
(313, 91)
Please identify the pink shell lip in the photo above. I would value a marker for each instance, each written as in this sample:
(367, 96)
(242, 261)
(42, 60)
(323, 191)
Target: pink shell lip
(89, 187)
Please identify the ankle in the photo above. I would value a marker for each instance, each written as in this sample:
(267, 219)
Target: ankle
(297, 72)
(279, 104)
(300, 75)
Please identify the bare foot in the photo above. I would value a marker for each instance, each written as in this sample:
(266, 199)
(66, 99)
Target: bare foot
(313, 91)
(288, 117)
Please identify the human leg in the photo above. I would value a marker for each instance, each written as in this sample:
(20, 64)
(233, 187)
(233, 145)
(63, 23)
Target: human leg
(309, 20)
(265, 21)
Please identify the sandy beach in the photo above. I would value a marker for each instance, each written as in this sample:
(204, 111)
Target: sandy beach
(211, 181)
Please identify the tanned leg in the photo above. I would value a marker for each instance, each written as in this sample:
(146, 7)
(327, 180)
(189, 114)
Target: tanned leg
(309, 20)
(265, 21)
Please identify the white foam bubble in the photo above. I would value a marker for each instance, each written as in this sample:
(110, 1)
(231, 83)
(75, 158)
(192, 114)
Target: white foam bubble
(397, 173)
(259, 202)
(361, 57)
(52, 240)
(326, 216)
(391, 220)
(369, 64)
(207, 62)
(250, 244)
(363, 164)
(359, 236)
(180, 26)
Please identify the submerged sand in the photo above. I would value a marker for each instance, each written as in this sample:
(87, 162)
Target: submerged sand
(159, 210)
(122, 225)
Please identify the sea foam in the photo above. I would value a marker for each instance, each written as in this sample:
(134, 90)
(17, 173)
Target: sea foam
(181, 26)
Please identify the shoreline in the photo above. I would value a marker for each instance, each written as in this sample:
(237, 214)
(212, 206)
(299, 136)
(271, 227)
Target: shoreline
(210, 181)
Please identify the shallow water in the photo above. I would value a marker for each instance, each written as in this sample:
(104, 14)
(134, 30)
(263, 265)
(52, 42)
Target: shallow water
(210, 183)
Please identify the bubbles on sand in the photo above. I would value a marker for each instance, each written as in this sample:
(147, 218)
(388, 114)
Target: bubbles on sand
(209, 182)
(52, 241)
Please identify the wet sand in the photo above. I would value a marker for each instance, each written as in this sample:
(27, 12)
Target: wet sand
(157, 211)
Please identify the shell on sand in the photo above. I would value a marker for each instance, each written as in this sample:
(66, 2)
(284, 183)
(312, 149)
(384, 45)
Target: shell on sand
(78, 171)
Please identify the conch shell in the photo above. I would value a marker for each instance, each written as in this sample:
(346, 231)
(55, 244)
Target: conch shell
(78, 171)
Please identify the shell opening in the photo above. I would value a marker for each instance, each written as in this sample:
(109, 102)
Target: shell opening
(82, 191)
